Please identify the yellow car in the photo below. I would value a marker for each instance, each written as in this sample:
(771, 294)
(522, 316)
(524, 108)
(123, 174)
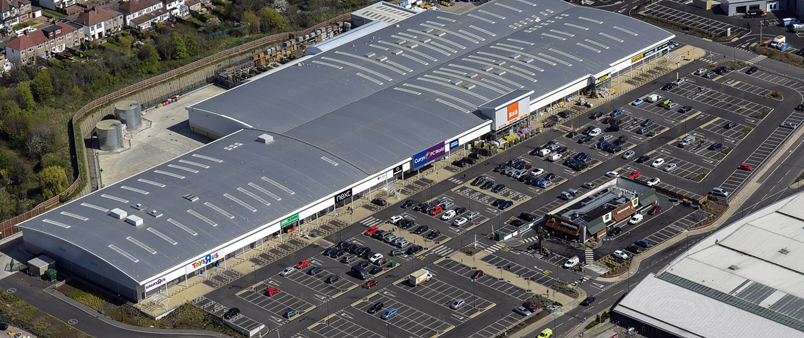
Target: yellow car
(546, 333)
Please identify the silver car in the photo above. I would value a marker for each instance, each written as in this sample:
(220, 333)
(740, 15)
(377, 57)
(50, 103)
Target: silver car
(472, 215)
(457, 303)
(670, 167)
(629, 154)
(447, 205)
(287, 271)
(522, 310)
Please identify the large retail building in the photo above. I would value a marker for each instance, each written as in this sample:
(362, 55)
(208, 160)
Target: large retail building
(292, 145)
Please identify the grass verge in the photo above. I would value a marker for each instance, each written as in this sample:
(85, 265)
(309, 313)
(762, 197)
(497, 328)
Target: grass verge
(17, 312)
(565, 288)
(701, 175)
(727, 150)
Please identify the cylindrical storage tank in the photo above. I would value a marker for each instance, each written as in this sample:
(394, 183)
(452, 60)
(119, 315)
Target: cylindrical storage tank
(128, 112)
(110, 134)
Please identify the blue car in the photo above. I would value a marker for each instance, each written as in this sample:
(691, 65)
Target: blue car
(616, 112)
(537, 182)
(715, 146)
(638, 101)
(290, 313)
(643, 243)
(616, 149)
(389, 313)
(506, 205)
(330, 251)
(584, 139)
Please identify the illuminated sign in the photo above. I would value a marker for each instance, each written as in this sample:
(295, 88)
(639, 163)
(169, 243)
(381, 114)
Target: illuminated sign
(426, 156)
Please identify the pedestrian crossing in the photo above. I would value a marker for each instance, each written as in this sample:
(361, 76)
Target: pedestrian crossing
(757, 59)
(590, 256)
(530, 239)
(495, 247)
(371, 221)
(442, 251)
(455, 180)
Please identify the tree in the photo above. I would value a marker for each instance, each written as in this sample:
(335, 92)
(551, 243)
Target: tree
(7, 205)
(250, 18)
(24, 96)
(42, 86)
(280, 5)
(53, 181)
(272, 19)
(149, 59)
(125, 44)
(179, 49)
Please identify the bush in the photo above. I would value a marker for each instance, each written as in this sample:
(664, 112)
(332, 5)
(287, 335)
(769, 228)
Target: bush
(591, 325)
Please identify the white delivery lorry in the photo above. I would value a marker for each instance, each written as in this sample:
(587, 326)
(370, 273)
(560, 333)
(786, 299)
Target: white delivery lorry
(778, 41)
(653, 98)
(420, 276)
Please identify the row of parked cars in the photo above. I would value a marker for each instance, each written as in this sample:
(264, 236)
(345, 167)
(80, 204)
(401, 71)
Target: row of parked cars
(468, 160)
(437, 207)
(530, 177)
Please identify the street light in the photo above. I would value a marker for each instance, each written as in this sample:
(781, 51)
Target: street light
(474, 298)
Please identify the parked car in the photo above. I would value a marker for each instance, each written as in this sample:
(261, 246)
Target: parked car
(572, 262)
(448, 215)
(633, 249)
(522, 310)
(720, 192)
(287, 271)
(289, 313)
(498, 188)
(271, 291)
(433, 234)
(643, 243)
(670, 167)
(680, 81)
(701, 71)
(612, 174)
(420, 230)
(332, 279)
(506, 205)
(589, 185)
(614, 232)
(472, 215)
(376, 307)
(668, 86)
(638, 101)
(655, 210)
(643, 159)
(478, 181)
(789, 125)
(375, 270)
(715, 146)
(616, 112)
(584, 139)
(634, 174)
(657, 163)
(746, 167)
(653, 181)
(379, 201)
(302, 264)
(595, 115)
(685, 109)
(647, 122)
(636, 219)
(231, 313)
(315, 270)
(460, 221)
(752, 70)
(414, 249)
(389, 313)
(457, 303)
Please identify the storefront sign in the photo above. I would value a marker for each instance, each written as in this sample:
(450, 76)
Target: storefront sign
(513, 111)
(345, 195)
(289, 220)
(637, 58)
(569, 225)
(431, 154)
(158, 282)
(454, 144)
(203, 261)
(602, 78)
(397, 170)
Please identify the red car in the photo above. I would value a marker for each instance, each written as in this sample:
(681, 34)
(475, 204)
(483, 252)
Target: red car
(634, 174)
(746, 167)
(271, 291)
(371, 231)
(437, 210)
(371, 283)
(657, 209)
(477, 274)
(530, 307)
(302, 264)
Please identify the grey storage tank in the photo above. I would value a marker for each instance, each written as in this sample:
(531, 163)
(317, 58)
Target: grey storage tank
(110, 134)
(128, 112)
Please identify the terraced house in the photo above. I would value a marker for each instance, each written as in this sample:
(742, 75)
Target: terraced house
(98, 23)
(143, 14)
(44, 42)
(13, 12)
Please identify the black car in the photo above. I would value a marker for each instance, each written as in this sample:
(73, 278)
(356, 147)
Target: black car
(433, 234)
(478, 181)
(475, 156)
(469, 160)
(588, 301)
(332, 279)
(376, 307)
(572, 134)
(730, 125)
(668, 86)
(314, 270)
(460, 210)
(525, 178)
(415, 249)
(719, 70)
(584, 139)
(420, 206)
(342, 245)
(379, 201)
(459, 163)
(420, 229)
(647, 122)
(231, 313)
(752, 70)
(364, 264)
(532, 246)
(3, 326)
(561, 150)
(618, 142)
(498, 187)
(615, 232)
(500, 167)
(634, 249)
(564, 114)
(549, 176)
(405, 223)
(487, 185)
(643, 159)
(685, 109)
(595, 115)
(613, 127)
(375, 270)
(528, 217)
(517, 222)
(407, 204)
(800, 107)
(715, 146)
(497, 202)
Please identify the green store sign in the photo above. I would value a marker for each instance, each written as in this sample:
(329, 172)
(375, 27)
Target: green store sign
(289, 220)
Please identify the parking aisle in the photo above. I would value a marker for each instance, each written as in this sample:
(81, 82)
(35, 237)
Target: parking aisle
(677, 227)
(277, 304)
(520, 270)
(315, 282)
(491, 282)
(760, 153)
(692, 20)
(498, 326)
(685, 169)
(443, 295)
(408, 318)
(340, 325)
(715, 98)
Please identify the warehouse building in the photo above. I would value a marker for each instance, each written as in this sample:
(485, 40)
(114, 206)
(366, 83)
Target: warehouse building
(340, 124)
(743, 281)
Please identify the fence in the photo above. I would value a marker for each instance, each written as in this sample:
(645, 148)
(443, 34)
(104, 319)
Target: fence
(7, 227)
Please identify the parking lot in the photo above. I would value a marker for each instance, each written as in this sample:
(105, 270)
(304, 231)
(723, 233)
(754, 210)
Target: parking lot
(736, 178)
(339, 325)
(277, 304)
(715, 98)
(684, 169)
(692, 20)
(487, 280)
(315, 283)
(443, 295)
(676, 227)
(409, 318)
(505, 322)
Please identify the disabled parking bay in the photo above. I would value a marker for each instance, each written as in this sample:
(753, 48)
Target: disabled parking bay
(315, 282)
(240, 321)
(408, 318)
(277, 304)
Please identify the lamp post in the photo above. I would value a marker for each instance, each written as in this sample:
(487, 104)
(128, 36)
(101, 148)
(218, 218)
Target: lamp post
(474, 298)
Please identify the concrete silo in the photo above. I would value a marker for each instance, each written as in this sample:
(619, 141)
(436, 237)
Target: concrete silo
(110, 134)
(128, 112)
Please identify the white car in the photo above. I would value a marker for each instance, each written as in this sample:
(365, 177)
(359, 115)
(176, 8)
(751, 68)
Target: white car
(572, 262)
(612, 174)
(636, 219)
(595, 132)
(657, 163)
(554, 157)
(375, 257)
(653, 181)
(607, 137)
(448, 215)
(287, 271)
(460, 221)
(395, 218)
(620, 254)
(537, 171)
(670, 167)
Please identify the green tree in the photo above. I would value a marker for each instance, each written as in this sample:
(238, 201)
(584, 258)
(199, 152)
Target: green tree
(253, 22)
(7, 205)
(24, 96)
(149, 59)
(42, 86)
(53, 181)
(179, 48)
(273, 21)
(125, 44)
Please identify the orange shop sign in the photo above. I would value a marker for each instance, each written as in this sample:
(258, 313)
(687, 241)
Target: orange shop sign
(513, 111)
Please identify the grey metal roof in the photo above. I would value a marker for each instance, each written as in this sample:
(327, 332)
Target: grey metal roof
(365, 113)
(222, 179)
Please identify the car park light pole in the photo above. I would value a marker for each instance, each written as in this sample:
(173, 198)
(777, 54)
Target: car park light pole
(474, 298)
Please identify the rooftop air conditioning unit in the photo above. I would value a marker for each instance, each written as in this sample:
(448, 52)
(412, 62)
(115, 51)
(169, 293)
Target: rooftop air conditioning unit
(134, 220)
(118, 213)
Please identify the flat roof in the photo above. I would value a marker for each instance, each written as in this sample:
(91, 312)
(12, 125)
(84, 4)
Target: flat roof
(363, 113)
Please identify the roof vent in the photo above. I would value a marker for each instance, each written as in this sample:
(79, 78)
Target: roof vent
(428, 30)
(370, 54)
(155, 213)
(134, 220)
(426, 40)
(397, 52)
(265, 138)
(488, 68)
(413, 45)
(734, 267)
(500, 72)
(471, 75)
(784, 251)
(118, 213)
(440, 33)
(499, 62)
(191, 197)
(138, 206)
(382, 58)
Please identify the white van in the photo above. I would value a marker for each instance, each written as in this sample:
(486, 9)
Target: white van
(544, 151)
(653, 98)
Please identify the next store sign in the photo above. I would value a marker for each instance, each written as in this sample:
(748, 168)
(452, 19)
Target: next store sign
(290, 220)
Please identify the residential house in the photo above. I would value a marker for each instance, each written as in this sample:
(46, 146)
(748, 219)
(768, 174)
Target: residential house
(177, 8)
(194, 5)
(44, 42)
(13, 12)
(148, 12)
(97, 23)
(5, 65)
(56, 5)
